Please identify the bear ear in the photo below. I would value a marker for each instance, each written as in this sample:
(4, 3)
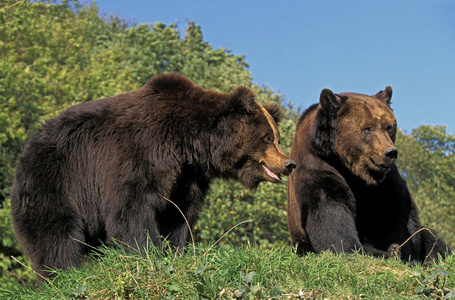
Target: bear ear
(242, 99)
(274, 110)
(330, 103)
(385, 95)
(171, 83)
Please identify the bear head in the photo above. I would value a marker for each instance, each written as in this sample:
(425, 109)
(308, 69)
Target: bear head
(234, 135)
(256, 155)
(359, 131)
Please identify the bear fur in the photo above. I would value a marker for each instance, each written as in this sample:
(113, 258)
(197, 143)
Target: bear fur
(346, 193)
(104, 169)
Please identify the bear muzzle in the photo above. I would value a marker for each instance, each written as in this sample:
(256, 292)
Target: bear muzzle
(389, 157)
(289, 165)
(392, 154)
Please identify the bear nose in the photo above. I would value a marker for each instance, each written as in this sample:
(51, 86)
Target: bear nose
(289, 165)
(391, 153)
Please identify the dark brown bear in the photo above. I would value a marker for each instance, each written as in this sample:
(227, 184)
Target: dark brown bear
(102, 169)
(346, 193)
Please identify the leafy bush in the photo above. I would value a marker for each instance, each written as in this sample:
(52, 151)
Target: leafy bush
(11, 272)
(427, 161)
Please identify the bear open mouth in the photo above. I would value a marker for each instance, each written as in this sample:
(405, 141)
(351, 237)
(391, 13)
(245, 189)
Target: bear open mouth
(270, 173)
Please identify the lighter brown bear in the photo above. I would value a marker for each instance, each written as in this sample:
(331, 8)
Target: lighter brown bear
(346, 193)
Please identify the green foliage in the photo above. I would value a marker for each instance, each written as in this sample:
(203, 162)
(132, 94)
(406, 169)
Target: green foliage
(427, 161)
(11, 272)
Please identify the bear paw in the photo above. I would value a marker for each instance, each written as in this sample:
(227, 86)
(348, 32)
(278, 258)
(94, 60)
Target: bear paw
(394, 251)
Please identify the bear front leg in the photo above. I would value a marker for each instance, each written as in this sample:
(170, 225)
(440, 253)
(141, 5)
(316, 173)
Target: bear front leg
(394, 251)
(179, 223)
(136, 231)
(330, 226)
(179, 237)
(183, 211)
(133, 221)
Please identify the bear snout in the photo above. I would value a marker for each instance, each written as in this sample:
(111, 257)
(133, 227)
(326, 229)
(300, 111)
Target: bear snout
(289, 165)
(391, 153)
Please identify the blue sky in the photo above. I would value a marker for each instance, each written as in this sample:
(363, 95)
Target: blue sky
(299, 48)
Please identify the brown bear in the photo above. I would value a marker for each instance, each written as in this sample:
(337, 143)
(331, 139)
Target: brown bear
(104, 169)
(346, 193)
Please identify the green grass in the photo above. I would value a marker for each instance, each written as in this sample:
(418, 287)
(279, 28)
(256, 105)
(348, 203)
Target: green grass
(247, 272)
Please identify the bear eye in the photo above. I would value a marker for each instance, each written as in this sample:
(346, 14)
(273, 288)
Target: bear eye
(368, 130)
(268, 139)
(389, 128)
